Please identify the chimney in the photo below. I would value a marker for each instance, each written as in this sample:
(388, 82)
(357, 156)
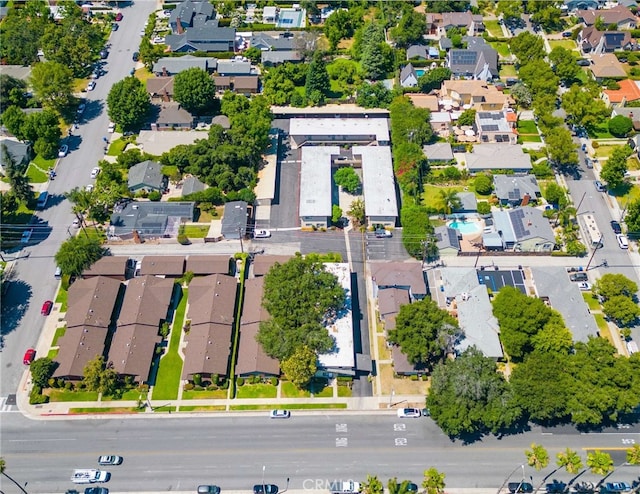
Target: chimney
(525, 200)
(164, 72)
(179, 29)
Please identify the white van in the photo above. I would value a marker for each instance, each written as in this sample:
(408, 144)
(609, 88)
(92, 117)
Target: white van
(622, 241)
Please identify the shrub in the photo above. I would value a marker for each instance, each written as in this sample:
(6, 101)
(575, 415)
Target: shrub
(483, 184)
(414, 377)
(197, 388)
(484, 207)
(224, 384)
(183, 239)
(595, 144)
(197, 379)
(52, 382)
(274, 381)
(68, 386)
(257, 379)
(212, 387)
(164, 330)
(155, 196)
(240, 381)
(36, 397)
(188, 386)
(215, 379)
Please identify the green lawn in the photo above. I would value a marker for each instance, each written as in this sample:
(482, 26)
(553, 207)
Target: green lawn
(502, 48)
(508, 70)
(291, 406)
(529, 138)
(494, 28)
(44, 164)
(204, 394)
(61, 298)
(215, 408)
(633, 163)
(527, 127)
(168, 378)
(59, 332)
(326, 392)
(105, 410)
(344, 392)
(52, 354)
(36, 175)
(604, 151)
(591, 301)
(336, 89)
(289, 390)
(626, 195)
(196, 231)
(431, 195)
(134, 394)
(567, 44)
(601, 132)
(66, 395)
(117, 146)
(256, 391)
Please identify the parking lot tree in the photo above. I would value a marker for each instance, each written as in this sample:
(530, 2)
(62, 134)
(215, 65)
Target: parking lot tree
(373, 95)
(599, 462)
(52, 84)
(410, 28)
(482, 397)
(317, 76)
(542, 386)
(433, 79)
(347, 178)
(433, 482)
(78, 253)
(301, 366)
(372, 485)
(564, 64)
(21, 32)
(614, 284)
(570, 460)
(300, 296)
(510, 10)
(41, 371)
(622, 310)
(527, 47)
(537, 456)
(620, 125)
(424, 332)
(128, 103)
(195, 90)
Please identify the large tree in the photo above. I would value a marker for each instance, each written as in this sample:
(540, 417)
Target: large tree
(97, 376)
(301, 296)
(424, 332)
(613, 284)
(19, 182)
(301, 366)
(468, 396)
(41, 371)
(77, 254)
(43, 129)
(622, 310)
(52, 83)
(128, 103)
(338, 26)
(21, 32)
(615, 168)
(317, 83)
(373, 95)
(510, 10)
(564, 64)
(527, 47)
(584, 106)
(599, 462)
(560, 147)
(620, 125)
(410, 28)
(433, 482)
(195, 90)
(433, 79)
(347, 178)
(632, 218)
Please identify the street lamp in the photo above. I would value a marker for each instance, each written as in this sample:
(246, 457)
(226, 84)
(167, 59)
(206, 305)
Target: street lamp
(286, 488)
(263, 487)
(509, 476)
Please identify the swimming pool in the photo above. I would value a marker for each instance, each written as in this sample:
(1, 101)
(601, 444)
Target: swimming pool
(420, 72)
(466, 227)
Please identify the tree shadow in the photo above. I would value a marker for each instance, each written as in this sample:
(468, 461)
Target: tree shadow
(16, 296)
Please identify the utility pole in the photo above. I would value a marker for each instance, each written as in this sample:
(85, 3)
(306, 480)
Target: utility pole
(594, 253)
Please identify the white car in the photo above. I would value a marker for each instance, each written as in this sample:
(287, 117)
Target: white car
(584, 286)
(408, 413)
(95, 172)
(76, 223)
(88, 187)
(62, 152)
(112, 127)
(623, 242)
(109, 460)
(91, 86)
(261, 234)
(280, 414)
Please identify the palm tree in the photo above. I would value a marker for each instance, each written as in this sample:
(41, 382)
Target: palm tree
(570, 461)
(18, 181)
(395, 487)
(3, 467)
(599, 463)
(449, 200)
(372, 485)
(633, 455)
(433, 481)
(537, 457)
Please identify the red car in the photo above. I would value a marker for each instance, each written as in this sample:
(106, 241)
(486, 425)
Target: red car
(29, 356)
(118, 16)
(46, 308)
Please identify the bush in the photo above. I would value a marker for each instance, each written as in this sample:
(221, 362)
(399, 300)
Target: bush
(36, 397)
(155, 195)
(183, 239)
(484, 207)
(68, 386)
(188, 386)
(257, 379)
(274, 381)
(483, 184)
(197, 379)
(595, 144)
(414, 377)
(212, 387)
(197, 388)
(240, 381)
(224, 384)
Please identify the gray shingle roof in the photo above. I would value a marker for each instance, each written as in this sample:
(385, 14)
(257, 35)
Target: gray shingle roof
(146, 174)
(417, 51)
(440, 151)
(190, 185)
(175, 65)
(234, 220)
(152, 219)
(446, 237)
(513, 188)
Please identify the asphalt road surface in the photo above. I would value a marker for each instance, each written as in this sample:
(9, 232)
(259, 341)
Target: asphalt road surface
(167, 454)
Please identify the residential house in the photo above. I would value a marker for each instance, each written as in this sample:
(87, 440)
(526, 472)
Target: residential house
(406, 275)
(575, 5)
(149, 219)
(233, 67)
(440, 122)
(165, 266)
(269, 14)
(445, 44)
(212, 303)
(252, 359)
(468, 203)
(492, 126)
(418, 52)
(205, 37)
(273, 58)
(19, 152)
(628, 91)
(498, 156)
(145, 308)
(607, 66)
(447, 240)
(189, 13)
(160, 89)
(590, 40)
(428, 101)
(434, 22)
(389, 302)
(190, 185)
(620, 16)
(291, 18)
(171, 116)
(402, 366)
(109, 266)
(478, 95)
(147, 176)
(272, 43)
(246, 85)
(516, 190)
(378, 185)
(211, 264)
(439, 153)
(408, 76)
(263, 263)
(630, 112)
(222, 83)
(234, 220)
(466, 20)
(91, 305)
(167, 66)
(524, 229)
(478, 61)
(634, 143)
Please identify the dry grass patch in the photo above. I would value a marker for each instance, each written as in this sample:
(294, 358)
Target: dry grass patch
(383, 351)
(404, 385)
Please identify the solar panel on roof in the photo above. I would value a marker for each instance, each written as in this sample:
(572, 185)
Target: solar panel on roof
(490, 128)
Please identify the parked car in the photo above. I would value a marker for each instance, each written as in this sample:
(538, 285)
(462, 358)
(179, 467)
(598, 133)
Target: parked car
(265, 489)
(623, 242)
(91, 86)
(104, 54)
(96, 490)
(556, 487)
(136, 56)
(118, 16)
(520, 487)
(76, 223)
(26, 236)
(578, 277)
(588, 163)
(62, 152)
(280, 414)
(583, 62)
(81, 108)
(261, 234)
(114, 27)
(382, 233)
(110, 460)
(616, 487)
(88, 187)
(29, 356)
(583, 487)
(208, 489)
(411, 487)
(46, 307)
(585, 286)
(599, 186)
(615, 226)
(95, 171)
(112, 127)
(408, 413)
(566, 34)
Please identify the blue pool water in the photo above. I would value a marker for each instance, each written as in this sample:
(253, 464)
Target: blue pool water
(466, 227)
(420, 72)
